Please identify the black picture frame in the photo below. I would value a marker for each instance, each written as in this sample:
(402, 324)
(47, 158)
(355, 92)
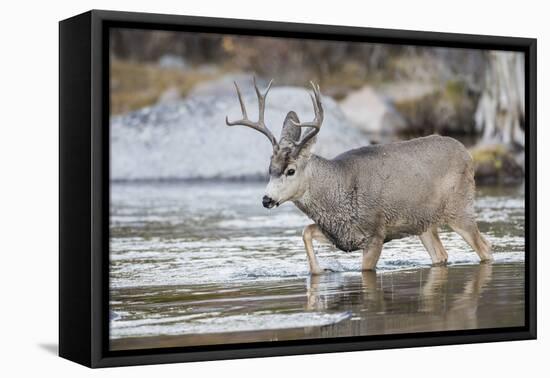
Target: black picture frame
(84, 188)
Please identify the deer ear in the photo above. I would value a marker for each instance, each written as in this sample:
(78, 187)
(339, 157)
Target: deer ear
(305, 151)
(290, 131)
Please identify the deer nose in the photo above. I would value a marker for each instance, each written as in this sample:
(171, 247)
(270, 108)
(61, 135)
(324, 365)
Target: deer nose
(268, 202)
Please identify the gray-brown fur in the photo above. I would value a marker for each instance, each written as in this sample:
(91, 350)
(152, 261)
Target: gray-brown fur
(391, 190)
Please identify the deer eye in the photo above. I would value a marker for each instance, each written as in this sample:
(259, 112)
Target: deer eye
(290, 172)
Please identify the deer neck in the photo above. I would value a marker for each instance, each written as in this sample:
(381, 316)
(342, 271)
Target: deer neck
(322, 181)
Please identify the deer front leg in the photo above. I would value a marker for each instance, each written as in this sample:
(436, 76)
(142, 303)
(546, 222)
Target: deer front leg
(310, 233)
(371, 254)
(432, 243)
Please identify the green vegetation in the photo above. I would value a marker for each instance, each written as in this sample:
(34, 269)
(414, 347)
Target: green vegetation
(446, 110)
(496, 164)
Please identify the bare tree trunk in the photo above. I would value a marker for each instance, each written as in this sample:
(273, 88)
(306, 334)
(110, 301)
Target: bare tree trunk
(500, 112)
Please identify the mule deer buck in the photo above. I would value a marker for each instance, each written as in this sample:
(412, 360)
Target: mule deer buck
(368, 196)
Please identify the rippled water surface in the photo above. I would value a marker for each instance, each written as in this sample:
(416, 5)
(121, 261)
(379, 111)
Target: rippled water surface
(207, 258)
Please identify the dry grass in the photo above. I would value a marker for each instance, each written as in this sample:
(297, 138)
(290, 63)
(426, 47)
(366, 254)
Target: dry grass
(136, 85)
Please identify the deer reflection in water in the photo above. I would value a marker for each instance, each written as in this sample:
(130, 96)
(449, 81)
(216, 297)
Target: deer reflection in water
(438, 298)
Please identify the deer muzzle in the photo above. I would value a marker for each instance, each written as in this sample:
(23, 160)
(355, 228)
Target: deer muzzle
(268, 202)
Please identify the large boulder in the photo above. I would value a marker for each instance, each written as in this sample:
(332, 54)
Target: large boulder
(496, 163)
(372, 113)
(446, 108)
(188, 139)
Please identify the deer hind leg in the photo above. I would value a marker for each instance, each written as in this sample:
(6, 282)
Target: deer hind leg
(467, 228)
(310, 233)
(432, 243)
(371, 254)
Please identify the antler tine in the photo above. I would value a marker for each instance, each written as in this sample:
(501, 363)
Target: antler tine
(260, 124)
(317, 120)
(261, 98)
(243, 108)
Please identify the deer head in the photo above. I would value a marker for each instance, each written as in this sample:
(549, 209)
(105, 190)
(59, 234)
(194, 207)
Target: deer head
(287, 169)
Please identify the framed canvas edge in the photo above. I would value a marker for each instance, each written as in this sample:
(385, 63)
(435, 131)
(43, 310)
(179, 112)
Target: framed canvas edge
(328, 346)
(74, 190)
(100, 356)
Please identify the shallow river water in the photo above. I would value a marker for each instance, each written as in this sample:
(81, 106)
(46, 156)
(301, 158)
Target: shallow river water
(204, 262)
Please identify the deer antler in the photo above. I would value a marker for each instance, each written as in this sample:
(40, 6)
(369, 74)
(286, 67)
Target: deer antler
(315, 124)
(259, 125)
